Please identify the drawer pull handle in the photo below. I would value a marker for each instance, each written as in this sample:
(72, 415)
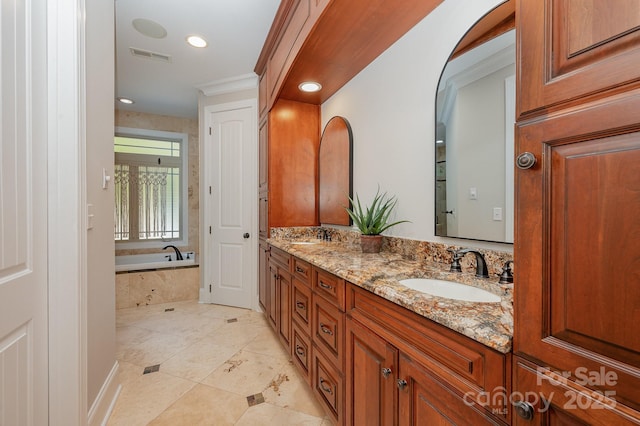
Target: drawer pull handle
(402, 384)
(299, 269)
(327, 286)
(524, 409)
(300, 350)
(300, 305)
(325, 388)
(386, 372)
(325, 329)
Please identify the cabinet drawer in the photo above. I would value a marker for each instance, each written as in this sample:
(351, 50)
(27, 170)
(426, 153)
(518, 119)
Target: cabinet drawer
(302, 271)
(328, 385)
(280, 257)
(555, 400)
(302, 305)
(330, 287)
(301, 351)
(328, 329)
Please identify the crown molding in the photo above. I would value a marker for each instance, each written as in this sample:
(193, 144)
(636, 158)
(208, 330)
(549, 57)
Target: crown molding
(229, 85)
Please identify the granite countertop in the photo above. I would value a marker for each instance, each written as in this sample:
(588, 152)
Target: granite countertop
(488, 323)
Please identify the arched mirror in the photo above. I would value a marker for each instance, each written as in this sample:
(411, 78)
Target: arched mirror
(335, 172)
(475, 115)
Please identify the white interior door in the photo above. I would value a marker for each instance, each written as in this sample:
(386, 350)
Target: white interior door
(23, 218)
(232, 169)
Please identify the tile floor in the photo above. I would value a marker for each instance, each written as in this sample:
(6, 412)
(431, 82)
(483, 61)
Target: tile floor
(217, 366)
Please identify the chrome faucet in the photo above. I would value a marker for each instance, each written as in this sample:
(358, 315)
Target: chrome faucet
(481, 264)
(178, 254)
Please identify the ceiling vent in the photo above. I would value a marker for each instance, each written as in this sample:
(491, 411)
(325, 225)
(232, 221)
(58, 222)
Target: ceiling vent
(141, 53)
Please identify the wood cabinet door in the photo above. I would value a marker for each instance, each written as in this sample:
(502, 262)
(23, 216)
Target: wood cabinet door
(425, 399)
(272, 306)
(577, 251)
(569, 49)
(263, 219)
(263, 275)
(294, 138)
(263, 158)
(284, 307)
(370, 377)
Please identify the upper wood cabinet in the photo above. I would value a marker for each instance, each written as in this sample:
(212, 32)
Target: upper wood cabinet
(576, 48)
(263, 158)
(262, 96)
(331, 41)
(292, 162)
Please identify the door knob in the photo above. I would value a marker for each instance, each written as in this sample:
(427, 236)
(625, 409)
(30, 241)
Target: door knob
(246, 235)
(526, 160)
(524, 409)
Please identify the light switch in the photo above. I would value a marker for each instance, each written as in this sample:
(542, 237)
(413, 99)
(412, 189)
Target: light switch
(90, 216)
(105, 179)
(497, 214)
(473, 193)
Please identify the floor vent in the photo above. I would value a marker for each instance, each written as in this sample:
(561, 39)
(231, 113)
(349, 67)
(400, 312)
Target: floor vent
(141, 53)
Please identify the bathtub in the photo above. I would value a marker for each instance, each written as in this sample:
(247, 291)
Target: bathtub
(166, 259)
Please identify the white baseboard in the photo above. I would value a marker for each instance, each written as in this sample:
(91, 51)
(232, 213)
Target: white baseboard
(205, 296)
(103, 405)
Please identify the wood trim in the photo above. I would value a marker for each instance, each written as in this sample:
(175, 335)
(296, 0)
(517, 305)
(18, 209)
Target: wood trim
(496, 22)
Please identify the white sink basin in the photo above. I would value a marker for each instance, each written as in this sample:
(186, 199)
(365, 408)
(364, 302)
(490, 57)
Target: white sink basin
(450, 290)
(303, 243)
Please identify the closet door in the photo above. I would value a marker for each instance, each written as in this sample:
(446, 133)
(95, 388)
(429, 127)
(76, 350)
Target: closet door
(575, 48)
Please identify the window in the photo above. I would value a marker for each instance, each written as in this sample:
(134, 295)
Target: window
(150, 188)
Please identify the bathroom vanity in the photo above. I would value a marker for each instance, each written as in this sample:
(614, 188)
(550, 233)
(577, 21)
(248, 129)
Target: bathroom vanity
(377, 352)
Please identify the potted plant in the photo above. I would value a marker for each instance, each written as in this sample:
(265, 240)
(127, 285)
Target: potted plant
(373, 220)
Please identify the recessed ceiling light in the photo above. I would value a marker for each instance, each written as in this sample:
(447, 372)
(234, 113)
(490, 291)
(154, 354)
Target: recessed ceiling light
(149, 28)
(196, 41)
(310, 86)
(125, 100)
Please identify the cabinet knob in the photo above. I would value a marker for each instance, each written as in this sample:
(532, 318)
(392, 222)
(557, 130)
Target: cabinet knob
(386, 372)
(325, 329)
(526, 160)
(326, 286)
(324, 387)
(402, 384)
(524, 409)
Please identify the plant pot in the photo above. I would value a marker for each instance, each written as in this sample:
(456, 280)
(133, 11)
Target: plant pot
(370, 243)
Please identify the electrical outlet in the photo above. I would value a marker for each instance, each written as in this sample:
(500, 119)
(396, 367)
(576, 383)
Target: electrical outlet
(497, 214)
(473, 193)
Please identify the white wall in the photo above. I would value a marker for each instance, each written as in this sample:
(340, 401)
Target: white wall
(101, 323)
(391, 108)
